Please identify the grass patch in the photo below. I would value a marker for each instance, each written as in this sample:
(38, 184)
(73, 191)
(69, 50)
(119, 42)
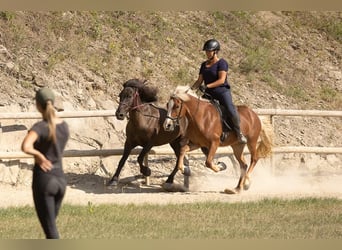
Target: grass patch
(328, 94)
(256, 60)
(268, 219)
(326, 21)
(296, 92)
(7, 15)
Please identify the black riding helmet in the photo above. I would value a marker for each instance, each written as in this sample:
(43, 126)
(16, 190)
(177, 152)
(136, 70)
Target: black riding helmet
(211, 45)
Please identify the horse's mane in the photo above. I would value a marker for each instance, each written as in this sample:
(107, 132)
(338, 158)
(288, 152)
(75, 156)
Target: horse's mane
(183, 92)
(146, 93)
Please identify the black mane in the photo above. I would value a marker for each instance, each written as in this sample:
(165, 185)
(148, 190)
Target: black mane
(146, 93)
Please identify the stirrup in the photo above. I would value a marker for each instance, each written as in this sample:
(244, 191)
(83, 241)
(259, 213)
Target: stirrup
(223, 136)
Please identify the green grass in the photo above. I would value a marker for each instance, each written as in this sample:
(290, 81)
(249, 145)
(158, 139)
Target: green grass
(257, 60)
(310, 218)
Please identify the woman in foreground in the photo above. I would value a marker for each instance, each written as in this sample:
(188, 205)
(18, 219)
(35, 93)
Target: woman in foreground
(46, 141)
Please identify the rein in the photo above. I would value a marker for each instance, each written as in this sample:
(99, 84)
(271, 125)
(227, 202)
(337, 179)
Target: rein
(137, 105)
(177, 119)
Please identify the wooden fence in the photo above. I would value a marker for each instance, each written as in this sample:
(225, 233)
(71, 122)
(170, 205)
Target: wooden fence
(111, 152)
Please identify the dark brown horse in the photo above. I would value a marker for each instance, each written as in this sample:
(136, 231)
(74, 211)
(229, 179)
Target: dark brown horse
(145, 126)
(205, 129)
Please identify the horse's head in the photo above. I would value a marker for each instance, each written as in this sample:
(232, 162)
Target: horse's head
(134, 94)
(175, 109)
(127, 97)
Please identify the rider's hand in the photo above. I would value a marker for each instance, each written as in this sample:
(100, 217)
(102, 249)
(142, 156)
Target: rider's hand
(202, 88)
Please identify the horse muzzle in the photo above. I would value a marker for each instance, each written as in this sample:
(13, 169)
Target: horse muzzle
(169, 125)
(120, 115)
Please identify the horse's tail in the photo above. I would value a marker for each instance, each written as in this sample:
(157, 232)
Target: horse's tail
(265, 146)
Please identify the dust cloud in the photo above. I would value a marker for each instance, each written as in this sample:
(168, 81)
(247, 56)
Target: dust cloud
(270, 181)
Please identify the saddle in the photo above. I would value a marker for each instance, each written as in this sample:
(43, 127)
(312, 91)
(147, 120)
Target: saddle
(221, 110)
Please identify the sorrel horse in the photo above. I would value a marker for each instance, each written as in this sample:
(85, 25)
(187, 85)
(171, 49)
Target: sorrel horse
(145, 126)
(205, 129)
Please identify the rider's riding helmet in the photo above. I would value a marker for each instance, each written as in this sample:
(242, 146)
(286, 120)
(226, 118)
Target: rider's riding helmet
(211, 45)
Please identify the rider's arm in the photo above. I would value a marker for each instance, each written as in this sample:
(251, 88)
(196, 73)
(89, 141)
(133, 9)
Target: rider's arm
(221, 79)
(198, 82)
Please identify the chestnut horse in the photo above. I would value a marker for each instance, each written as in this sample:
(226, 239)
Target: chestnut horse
(205, 129)
(145, 126)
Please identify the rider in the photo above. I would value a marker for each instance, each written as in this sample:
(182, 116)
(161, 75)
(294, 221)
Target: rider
(213, 72)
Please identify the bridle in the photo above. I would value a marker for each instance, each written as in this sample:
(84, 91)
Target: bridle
(137, 105)
(177, 118)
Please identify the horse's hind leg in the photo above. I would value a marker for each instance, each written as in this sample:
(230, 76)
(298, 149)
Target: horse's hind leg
(254, 159)
(145, 170)
(238, 153)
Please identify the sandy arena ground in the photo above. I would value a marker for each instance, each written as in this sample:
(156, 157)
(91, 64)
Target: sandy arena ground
(205, 185)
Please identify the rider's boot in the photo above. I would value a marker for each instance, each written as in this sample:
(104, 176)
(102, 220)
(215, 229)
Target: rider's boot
(236, 121)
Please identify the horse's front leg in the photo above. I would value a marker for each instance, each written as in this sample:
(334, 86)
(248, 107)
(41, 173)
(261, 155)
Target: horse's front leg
(210, 157)
(176, 146)
(180, 161)
(115, 179)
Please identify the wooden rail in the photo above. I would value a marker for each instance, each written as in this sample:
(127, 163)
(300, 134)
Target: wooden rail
(156, 151)
(64, 114)
(293, 112)
(106, 113)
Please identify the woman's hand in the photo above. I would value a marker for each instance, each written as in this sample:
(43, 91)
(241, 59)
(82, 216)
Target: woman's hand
(27, 147)
(44, 163)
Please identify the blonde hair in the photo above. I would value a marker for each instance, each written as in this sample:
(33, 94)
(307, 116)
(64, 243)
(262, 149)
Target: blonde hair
(49, 115)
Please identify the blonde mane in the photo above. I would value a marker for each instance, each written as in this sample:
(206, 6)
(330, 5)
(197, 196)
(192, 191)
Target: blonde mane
(182, 92)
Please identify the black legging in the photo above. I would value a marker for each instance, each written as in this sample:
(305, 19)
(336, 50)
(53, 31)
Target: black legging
(48, 192)
(225, 98)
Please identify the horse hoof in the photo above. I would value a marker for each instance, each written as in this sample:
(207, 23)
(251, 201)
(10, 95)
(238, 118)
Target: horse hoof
(230, 191)
(171, 187)
(146, 171)
(186, 171)
(247, 184)
(222, 165)
(113, 182)
(167, 186)
(215, 168)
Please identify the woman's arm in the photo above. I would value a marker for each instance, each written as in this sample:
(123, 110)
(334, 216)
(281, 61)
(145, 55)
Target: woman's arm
(198, 82)
(221, 79)
(27, 147)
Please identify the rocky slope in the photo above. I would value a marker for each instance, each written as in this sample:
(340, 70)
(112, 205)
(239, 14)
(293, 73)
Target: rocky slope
(286, 60)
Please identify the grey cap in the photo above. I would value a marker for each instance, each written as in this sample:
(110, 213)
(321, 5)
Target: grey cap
(43, 95)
